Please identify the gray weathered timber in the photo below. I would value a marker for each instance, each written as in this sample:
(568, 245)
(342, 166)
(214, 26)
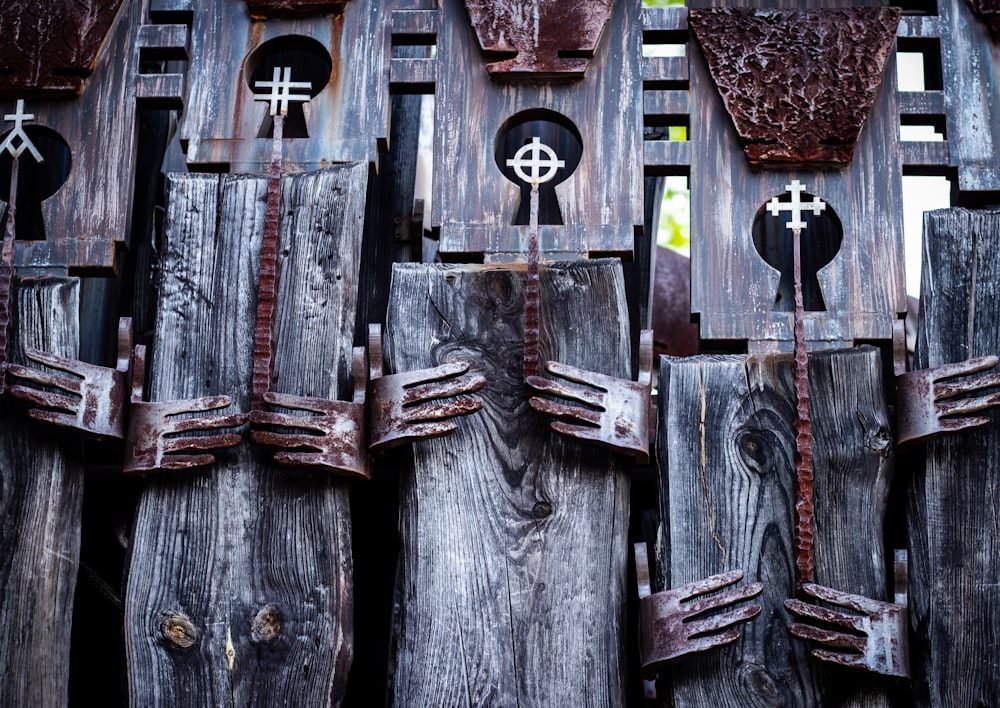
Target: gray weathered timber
(255, 557)
(725, 447)
(41, 496)
(512, 557)
(955, 544)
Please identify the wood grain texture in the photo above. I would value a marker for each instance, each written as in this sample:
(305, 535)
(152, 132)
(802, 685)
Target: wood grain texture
(724, 454)
(41, 497)
(256, 557)
(953, 515)
(601, 201)
(512, 558)
(732, 287)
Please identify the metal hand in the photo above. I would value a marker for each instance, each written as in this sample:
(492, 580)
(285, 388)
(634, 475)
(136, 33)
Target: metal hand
(408, 407)
(927, 407)
(875, 640)
(676, 623)
(335, 432)
(615, 413)
(91, 398)
(155, 441)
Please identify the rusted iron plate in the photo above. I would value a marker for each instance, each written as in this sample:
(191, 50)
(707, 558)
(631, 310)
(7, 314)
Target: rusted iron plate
(157, 440)
(536, 38)
(412, 406)
(607, 411)
(798, 84)
(989, 11)
(928, 406)
(260, 9)
(51, 47)
(87, 397)
(872, 637)
(677, 623)
(327, 435)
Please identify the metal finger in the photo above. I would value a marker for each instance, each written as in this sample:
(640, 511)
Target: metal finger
(825, 615)
(709, 584)
(441, 410)
(964, 368)
(580, 376)
(200, 442)
(725, 620)
(421, 431)
(967, 405)
(183, 462)
(197, 405)
(827, 637)
(854, 661)
(42, 378)
(951, 425)
(565, 412)
(414, 395)
(408, 379)
(845, 599)
(61, 419)
(260, 419)
(300, 403)
(70, 366)
(46, 399)
(203, 423)
(729, 597)
(287, 441)
(696, 645)
(569, 393)
(958, 388)
(339, 463)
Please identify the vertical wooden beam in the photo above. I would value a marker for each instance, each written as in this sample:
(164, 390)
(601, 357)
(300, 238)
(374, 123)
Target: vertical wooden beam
(727, 488)
(512, 559)
(41, 497)
(248, 563)
(953, 506)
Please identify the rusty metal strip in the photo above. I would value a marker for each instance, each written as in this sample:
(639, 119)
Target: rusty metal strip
(7, 274)
(267, 286)
(805, 525)
(531, 294)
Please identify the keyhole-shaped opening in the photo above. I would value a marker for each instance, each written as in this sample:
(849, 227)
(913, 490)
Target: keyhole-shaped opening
(309, 61)
(553, 130)
(821, 239)
(36, 181)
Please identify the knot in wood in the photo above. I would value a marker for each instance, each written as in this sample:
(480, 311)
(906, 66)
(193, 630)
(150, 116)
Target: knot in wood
(541, 510)
(266, 624)
(177, 630)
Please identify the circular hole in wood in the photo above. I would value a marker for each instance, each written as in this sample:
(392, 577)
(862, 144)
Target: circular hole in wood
(308, 60)
(36, 181)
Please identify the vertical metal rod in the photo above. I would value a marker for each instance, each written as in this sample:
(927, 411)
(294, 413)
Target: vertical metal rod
(805, 563)
(7, 273)
(267, 285)
(531, 295)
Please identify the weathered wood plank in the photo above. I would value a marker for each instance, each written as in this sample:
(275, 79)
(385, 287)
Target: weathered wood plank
(727, 487)
(512, 568)
(955, 545)
(256, 557)
(41, 497)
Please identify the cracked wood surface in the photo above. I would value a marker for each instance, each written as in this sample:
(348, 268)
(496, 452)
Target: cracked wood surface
(953, 515)
(513, 540)
(248, 563)
(41, 497)
(727, 488)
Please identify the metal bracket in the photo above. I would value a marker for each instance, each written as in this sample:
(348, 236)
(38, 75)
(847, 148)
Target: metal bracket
(334, 437)
(675, 624)
(156, 440)
(409, 407)
(876, 640)
(88, 397)
(607, 411)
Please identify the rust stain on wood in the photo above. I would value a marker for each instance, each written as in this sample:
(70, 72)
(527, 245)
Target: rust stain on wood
(798, 84)
(51, 47)
(547, 37)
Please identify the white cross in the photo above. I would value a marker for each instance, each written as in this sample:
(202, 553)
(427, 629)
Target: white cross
(796, 206)
(19, 117)
(536, 147)
(281, 86)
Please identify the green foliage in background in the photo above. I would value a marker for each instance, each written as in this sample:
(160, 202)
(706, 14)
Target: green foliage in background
(662, 3)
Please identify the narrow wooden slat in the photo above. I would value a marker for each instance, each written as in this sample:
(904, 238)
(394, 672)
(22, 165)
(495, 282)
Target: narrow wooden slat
(664, 19)
(412, 75)
(666, 157)
(160, 91)
(919, 27)
(660, 70)
(955, 546)
(415, 26)
(921, 103)
(727, 489)
(663, 104)
(41, 497)
(512, 568)
(164, 42)
(925, 154)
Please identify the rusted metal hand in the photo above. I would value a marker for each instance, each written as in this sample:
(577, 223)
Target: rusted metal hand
(331, 434)
(927, 406)
(677, 623)
(90, 398)
(872, 637)
(156, 440)
(607, 411)
(410, 406)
